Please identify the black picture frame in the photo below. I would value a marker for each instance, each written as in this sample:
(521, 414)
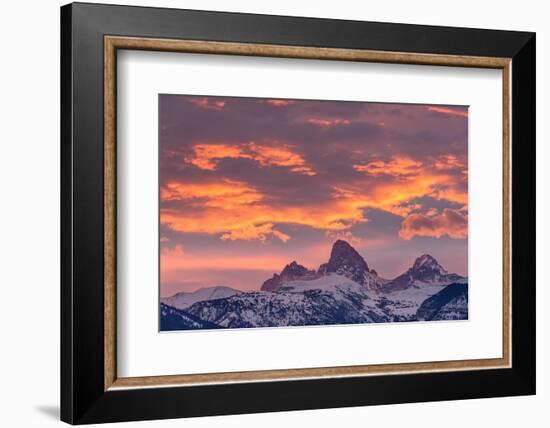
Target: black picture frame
(83, 398)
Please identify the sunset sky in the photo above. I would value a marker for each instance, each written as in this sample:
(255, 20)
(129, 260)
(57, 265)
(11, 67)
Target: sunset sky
(248, 185)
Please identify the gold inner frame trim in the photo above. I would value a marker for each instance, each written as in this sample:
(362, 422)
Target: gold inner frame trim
(113, 43)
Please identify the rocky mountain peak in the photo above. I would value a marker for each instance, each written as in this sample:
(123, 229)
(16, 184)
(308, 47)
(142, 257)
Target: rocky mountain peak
(343, 254)
(291, 272)
(294, 269)
(425, 270)
(346, 261)
(426, 264)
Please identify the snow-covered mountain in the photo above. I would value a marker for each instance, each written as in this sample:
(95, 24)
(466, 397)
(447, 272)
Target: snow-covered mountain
(451, 303)
(345, 260)
(342, 291)
(183, 300)
(330, 299)
(425, 271)
(176, 319)
(291, 272)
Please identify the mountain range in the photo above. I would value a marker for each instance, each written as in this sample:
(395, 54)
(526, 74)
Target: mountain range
(343, 290)
(184, 299)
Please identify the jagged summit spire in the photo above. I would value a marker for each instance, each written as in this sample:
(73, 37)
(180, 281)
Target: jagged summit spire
(343, 254)
(346, 261)
(425, 258)
(425, 270)
(290, 272)
(428, 262)
(294, 269)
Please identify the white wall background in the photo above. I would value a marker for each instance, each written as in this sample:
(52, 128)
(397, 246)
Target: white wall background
(29, 214)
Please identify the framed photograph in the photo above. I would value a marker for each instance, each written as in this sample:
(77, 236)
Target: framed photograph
(266, 213)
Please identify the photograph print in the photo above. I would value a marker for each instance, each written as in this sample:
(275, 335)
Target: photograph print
(286, 212)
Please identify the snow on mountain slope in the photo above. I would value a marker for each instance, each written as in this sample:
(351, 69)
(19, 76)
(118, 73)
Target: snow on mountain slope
(455, 309)
(329, 282)
(174, 319)
(331, 299)
(451, 303)
(185, 299)
(406, 302)
(342, 291)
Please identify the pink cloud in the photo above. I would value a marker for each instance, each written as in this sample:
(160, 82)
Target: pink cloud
(450, 222)
(449, 111)
(279, 103)
(208, 103)
(207, 156)
(177, 251)
(396, 167)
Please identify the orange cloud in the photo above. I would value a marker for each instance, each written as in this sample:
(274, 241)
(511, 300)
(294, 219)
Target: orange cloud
(450, 222)
(207, 156)
(449, 111)
(451, 194)
(208, 103)
(238, 219)
(396, 167)
(279, 103)
(235, 210)
(280, 156)
(414, 179)
(447, 162)
(225, 194)
(255, 232)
